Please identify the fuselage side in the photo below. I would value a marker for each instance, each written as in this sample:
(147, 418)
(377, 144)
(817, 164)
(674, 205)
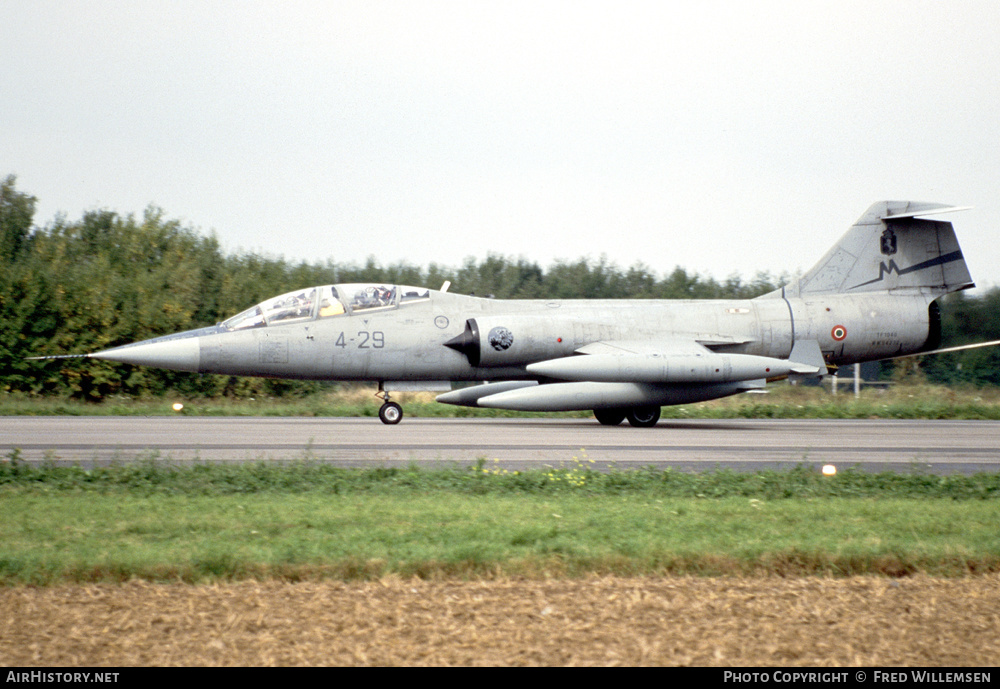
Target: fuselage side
(407, 342)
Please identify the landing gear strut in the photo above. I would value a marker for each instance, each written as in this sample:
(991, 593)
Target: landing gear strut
(390, 413)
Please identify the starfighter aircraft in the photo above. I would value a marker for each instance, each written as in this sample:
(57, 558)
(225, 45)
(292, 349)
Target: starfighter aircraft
(871, 297)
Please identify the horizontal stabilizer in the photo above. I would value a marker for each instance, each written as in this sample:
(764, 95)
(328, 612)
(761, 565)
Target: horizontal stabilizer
(933, 209)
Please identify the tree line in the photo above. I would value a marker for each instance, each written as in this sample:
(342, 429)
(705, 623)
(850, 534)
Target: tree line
(106, 279)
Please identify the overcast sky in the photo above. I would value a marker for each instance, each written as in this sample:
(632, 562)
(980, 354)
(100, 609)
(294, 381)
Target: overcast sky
(723, 137)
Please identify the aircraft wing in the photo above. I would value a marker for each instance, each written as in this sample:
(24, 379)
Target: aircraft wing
(644, 347)
(696, 344)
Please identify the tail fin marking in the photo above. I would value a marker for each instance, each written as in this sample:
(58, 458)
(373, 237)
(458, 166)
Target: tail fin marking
(889, 249)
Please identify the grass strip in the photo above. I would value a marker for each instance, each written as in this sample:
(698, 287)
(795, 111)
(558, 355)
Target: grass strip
(157, 521)
(154, 475)
(92, 538)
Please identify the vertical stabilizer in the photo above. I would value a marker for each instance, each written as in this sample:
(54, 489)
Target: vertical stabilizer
(890, 249)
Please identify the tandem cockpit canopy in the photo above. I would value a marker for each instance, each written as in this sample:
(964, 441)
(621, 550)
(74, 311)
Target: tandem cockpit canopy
(326, 302)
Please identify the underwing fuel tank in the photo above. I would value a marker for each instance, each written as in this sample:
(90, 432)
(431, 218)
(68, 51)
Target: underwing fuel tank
(579, 396)
(469, 397)
(668, 368)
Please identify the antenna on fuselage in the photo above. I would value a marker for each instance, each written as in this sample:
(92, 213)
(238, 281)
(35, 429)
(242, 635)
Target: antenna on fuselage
(446, 285)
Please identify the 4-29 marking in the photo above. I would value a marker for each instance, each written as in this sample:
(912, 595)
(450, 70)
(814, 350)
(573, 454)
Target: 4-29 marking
(365, 340)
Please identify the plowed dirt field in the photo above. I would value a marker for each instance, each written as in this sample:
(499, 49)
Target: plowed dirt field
(606, 621)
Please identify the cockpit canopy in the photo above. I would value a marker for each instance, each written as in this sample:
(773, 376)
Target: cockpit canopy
(326, 302)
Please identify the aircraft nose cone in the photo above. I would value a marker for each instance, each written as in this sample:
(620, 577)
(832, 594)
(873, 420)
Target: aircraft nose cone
(183, 354)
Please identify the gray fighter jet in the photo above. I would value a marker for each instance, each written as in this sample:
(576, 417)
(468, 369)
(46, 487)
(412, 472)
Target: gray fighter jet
(872, 296)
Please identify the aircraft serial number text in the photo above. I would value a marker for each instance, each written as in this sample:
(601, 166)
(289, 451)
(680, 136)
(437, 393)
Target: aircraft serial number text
(364, 340)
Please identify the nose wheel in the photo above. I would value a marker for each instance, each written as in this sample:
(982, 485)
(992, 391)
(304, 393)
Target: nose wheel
(390, 413)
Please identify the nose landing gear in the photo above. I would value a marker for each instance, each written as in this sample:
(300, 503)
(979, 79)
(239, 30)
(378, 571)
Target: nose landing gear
(390, 413)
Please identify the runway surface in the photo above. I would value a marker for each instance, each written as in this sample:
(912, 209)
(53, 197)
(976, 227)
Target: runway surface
(743, 445)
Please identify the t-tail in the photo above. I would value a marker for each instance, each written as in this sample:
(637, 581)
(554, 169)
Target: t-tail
(890, 249)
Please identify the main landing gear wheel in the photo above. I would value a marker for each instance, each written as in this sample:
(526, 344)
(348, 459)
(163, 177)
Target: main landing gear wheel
(643, 417)
(390, 413)
(609, 417)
